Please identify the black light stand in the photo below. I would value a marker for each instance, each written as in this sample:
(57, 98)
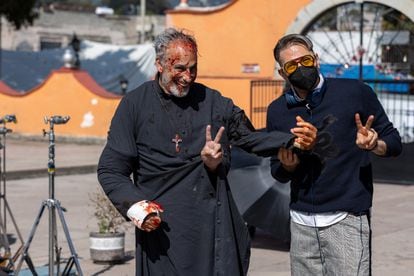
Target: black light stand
(3, 131)
(4, 205)
(53, 205)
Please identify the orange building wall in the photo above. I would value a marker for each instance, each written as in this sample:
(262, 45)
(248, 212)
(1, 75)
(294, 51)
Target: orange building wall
(235, 86)
(241, 32)
(66, 93)
(244, 31)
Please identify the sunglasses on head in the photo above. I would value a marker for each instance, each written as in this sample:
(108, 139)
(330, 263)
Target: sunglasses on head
(292, 65)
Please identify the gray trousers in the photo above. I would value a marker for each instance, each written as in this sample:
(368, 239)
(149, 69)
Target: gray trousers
(340, 249)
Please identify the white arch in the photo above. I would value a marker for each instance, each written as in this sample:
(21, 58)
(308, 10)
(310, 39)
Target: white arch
(317, 7)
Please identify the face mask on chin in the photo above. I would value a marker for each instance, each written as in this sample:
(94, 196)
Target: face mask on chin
(304, 78)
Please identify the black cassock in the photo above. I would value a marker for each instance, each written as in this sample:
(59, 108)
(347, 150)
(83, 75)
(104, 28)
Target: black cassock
(201, 232)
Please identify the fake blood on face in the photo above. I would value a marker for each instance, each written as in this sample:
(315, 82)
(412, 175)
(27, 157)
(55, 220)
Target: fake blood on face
(180, 68)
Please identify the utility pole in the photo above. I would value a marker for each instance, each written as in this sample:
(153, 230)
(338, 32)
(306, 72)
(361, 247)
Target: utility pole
(142, 10)
(361, 40)
(1, 26)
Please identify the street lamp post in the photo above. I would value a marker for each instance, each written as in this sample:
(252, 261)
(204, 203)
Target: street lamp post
(75, 43)
(123, 82)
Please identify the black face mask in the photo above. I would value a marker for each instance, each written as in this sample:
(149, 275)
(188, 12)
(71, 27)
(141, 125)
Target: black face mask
(304, 77)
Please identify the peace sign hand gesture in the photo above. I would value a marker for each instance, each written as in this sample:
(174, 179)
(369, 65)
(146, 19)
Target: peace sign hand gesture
(211, 153)
(367, 137)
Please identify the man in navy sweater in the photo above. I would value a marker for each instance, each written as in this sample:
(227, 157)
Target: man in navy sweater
(331, 186)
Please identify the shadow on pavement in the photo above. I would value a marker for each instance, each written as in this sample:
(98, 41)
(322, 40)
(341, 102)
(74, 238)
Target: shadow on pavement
(129, 255)
(264, 240)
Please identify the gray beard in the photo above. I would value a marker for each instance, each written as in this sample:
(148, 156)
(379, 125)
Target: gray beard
(174, 91)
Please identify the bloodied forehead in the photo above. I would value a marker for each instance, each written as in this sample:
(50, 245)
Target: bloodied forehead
(179, 51)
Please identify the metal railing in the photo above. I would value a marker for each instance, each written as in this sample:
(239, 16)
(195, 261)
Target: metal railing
(262, 93)
(396, 96)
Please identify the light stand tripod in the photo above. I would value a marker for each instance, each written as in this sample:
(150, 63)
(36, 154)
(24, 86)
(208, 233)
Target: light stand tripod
(4, 205)
(53, 205)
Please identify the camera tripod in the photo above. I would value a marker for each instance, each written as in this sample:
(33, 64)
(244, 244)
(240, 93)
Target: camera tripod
(53, 205)
(5, 208)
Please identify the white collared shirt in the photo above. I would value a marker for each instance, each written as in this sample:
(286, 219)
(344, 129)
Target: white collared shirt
(317, 219)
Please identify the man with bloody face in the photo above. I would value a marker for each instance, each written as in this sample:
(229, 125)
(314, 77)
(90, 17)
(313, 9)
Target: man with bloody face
(331, 187)
(173, 136)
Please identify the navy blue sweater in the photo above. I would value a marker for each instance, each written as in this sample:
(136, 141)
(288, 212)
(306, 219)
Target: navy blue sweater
(336, 175)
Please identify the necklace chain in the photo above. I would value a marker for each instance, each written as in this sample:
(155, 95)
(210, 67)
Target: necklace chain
(177, 138)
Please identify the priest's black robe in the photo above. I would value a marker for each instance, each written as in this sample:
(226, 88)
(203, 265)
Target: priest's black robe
(201, 232)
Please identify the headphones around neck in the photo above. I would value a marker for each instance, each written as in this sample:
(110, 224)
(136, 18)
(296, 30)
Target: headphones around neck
(313, 99)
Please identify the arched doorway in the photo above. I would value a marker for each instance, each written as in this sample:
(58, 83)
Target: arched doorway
(372, 41)
(364, 40)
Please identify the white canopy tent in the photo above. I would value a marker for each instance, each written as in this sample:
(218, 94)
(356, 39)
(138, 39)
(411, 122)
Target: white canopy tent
(106, 63)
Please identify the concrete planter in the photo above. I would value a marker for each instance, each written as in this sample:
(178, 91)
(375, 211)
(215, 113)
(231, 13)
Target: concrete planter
(108, 247)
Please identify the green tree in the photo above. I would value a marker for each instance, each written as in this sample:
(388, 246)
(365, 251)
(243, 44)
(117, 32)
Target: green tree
(18, 12)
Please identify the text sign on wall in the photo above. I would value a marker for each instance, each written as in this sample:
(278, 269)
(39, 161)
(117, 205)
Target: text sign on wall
(250, 68)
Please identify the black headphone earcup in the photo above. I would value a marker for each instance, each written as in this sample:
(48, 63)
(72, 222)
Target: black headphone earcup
(313, 99)
(291, 99)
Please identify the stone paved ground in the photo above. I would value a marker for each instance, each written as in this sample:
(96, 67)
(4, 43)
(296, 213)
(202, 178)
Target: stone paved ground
(393, 223)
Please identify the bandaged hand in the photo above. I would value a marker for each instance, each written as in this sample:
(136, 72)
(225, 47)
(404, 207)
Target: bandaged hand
(145, 215)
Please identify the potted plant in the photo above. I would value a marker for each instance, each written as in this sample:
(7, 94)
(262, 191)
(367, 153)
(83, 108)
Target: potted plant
(107, 244)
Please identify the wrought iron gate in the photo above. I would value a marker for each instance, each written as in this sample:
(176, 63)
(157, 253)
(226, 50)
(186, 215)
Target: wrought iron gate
(262, 93)
(398, 106)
